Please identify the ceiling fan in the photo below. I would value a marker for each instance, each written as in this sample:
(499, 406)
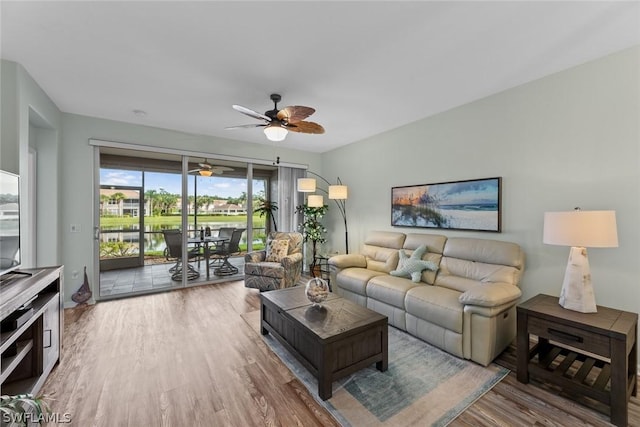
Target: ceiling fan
(207, 169)
(277, 123)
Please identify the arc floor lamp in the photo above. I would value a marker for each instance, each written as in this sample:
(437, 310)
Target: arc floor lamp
(337, 192)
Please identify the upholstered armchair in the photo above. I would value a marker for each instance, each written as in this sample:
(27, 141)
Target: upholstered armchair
(278, 266)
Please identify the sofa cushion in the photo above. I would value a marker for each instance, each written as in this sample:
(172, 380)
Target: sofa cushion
(380, 259)
(355, 279)
(385, 239)
(485, 250)
(389, 289)
(461, 275)
(490, 294)
(434, 242)
(466, 262)
(381, 250)
(348, 260)
(436, 305)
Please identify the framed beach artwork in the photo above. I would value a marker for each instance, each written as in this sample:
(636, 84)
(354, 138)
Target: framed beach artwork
(474, 204)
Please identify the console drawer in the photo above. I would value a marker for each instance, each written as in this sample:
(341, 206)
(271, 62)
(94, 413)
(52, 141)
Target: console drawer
(571, 336)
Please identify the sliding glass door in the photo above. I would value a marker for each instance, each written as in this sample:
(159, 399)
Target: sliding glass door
(121, 225)
(142, 202)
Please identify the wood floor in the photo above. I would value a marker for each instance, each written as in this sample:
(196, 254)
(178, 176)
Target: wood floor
(188, 357)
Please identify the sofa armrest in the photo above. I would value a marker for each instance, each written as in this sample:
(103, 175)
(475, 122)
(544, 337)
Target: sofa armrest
(291, 260)
(348, 260)
(256, 256)
(490, 294)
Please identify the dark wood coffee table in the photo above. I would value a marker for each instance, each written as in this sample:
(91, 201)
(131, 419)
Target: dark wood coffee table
(331, 341)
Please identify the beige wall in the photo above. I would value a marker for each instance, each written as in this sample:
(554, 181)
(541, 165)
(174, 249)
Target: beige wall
(570, 139)
(78, 171)
(31, 121)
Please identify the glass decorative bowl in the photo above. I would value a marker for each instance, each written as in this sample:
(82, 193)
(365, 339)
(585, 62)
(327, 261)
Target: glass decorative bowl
(317, 290)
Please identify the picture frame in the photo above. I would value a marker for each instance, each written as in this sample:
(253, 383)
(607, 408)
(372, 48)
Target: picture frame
(474, 204)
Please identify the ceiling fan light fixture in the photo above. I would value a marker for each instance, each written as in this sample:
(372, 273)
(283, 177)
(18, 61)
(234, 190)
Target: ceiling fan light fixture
(205, 172)
(275, 133)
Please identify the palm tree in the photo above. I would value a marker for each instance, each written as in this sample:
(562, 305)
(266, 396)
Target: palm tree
(150, 196)
(119, 197)
(103, 200)
(166, 201)
(268, 208)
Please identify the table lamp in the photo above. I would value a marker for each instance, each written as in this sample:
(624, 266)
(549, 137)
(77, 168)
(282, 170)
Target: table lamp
(580, 229)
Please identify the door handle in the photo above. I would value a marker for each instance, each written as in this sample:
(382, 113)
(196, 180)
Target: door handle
(49, 332)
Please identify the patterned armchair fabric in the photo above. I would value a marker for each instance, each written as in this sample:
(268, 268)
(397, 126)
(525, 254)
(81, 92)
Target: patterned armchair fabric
(267, 276)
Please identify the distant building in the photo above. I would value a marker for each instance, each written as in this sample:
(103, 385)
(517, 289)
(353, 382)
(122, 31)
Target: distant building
(129, 206)
(229, 209)
(9, 211)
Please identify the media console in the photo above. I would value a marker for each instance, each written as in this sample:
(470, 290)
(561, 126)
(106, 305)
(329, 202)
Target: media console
(32, 319)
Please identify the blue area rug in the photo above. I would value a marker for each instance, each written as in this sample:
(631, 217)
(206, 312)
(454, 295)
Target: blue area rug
(423, 385)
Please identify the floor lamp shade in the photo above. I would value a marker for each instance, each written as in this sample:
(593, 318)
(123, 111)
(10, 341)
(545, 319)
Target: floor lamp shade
(580, 230)
(306, 185)
(315, 201)
(338, 192)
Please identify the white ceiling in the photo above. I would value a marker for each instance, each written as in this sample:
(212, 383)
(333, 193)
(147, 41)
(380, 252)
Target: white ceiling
(366, 67)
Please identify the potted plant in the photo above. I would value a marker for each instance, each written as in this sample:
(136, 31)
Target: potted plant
(22, 409)
(311, 227)
(268, 208)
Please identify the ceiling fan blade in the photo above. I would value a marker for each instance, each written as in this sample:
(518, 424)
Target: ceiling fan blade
(246, 126)
(251, 113)
(221, 169)
(295, 113)
(306, 127)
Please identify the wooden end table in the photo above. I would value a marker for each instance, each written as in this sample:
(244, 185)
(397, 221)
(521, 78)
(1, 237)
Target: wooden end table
(580, 352)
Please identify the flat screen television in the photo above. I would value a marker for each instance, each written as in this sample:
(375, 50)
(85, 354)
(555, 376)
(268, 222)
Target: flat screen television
(9, 222)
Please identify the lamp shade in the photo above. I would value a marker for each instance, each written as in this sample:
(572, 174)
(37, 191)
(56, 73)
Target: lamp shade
(589, 229)
(205, 172)
(306, 185)
(275, 133)
(338, 192)
(315, 201)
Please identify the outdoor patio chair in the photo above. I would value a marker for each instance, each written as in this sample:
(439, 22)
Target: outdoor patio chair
(173, 239)
(227, 249)
(217, 253)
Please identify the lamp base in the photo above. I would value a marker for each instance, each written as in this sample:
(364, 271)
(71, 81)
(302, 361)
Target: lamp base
(577, 291)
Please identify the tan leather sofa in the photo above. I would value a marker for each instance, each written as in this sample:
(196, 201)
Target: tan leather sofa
(466, 307)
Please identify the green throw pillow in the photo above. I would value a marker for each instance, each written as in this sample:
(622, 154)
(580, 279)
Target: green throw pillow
(412, 266)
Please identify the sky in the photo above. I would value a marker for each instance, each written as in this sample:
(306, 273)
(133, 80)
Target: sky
(8, 184)
(210, 186)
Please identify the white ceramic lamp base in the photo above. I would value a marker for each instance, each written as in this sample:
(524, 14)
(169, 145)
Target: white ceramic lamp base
(577, 291)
